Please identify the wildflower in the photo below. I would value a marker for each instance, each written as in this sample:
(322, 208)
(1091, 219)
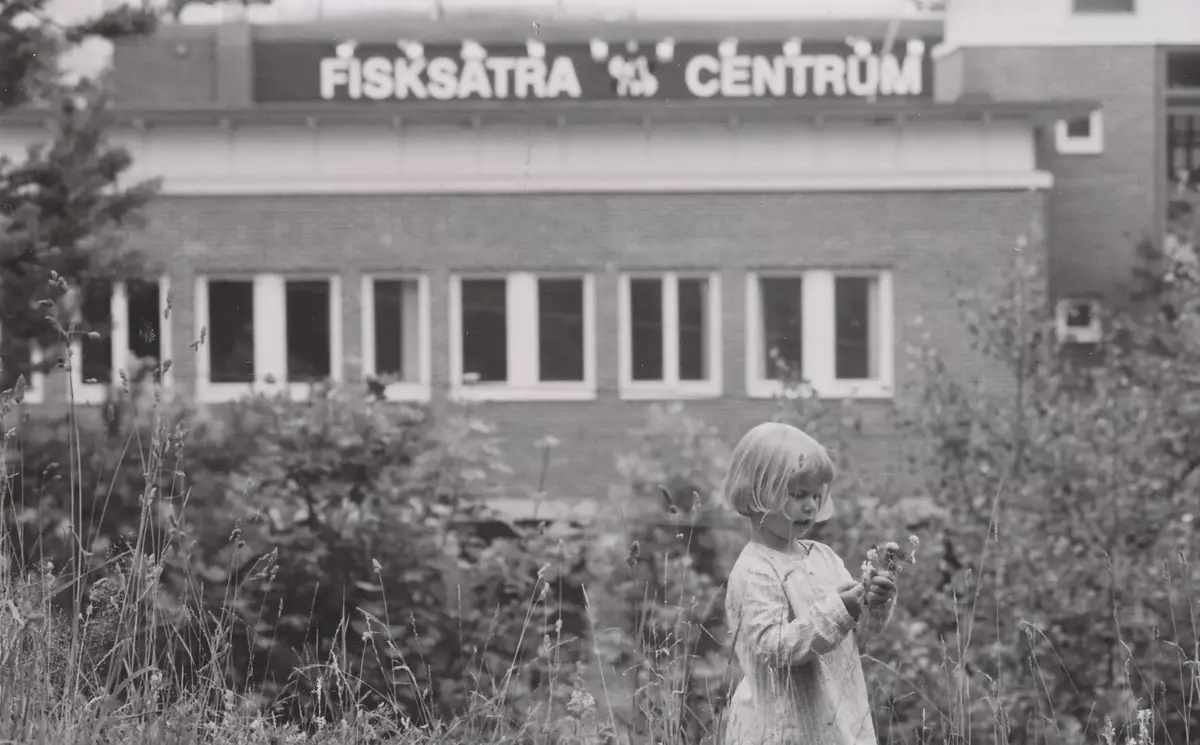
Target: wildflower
(891, 559)
(635, 552)
(376, 566)
(581, 703)
(1145, 717)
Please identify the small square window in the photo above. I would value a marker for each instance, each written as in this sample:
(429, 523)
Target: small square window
(1078, 321)
(1079, 127)
(1080, 135)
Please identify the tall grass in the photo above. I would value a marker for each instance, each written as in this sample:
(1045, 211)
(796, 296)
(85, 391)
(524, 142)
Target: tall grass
(89, 660)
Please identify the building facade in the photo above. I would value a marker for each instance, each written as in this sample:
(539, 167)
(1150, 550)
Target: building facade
(566, 223)
(1127, 172)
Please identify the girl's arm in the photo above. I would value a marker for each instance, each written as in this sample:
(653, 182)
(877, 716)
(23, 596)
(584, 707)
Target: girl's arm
(762, 630)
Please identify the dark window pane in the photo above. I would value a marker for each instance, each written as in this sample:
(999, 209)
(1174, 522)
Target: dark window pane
(854, 328)
(16, 358)
(145, 324)
(396, 330)
(1079, 315)
(646, 332)
(1079, 127)
(1104, 6)
(231, 331)
(782, 314)
(560, 330)
(1183, 70)
(485, 329)
(693, 329)
(309, 342)
(96, 354)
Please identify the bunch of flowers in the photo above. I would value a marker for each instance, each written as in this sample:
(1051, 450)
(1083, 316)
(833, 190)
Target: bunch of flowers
(888, 558)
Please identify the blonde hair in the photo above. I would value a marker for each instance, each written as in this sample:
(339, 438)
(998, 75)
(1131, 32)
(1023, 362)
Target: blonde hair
(769, 458)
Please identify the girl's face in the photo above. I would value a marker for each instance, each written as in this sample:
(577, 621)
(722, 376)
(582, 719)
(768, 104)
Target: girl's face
(795, 519)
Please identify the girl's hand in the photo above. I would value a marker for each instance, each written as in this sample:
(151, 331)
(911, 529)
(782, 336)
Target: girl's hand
(882, 589)
(853, 594)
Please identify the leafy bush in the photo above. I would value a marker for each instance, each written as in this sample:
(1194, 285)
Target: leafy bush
(659, 572)
(1060, 575)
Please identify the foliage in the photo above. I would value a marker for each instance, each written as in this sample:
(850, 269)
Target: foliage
(659, 571)
(321, 551)
(1073, 493)
(175, 7)
(64, 207)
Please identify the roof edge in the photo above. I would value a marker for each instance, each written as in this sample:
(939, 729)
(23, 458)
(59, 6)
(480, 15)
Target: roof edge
(582, 112)
(518, 27)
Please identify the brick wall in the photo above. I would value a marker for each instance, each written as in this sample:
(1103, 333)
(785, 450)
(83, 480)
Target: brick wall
(1101, 204)
(932, 242)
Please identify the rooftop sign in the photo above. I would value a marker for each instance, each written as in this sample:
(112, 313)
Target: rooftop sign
(408, 71)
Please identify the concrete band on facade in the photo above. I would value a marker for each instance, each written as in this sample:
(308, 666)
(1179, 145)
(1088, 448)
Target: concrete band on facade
(914, 194)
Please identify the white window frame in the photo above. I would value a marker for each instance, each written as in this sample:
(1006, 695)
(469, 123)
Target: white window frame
(90, 394)
(670, 387)
(1093, 144)
(270, 336)
(35, 382)
(818, 329)
(521, 314)
(399, 391)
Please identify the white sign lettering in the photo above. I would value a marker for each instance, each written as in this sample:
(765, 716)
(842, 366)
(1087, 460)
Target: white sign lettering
(758, 76)
(445, 78)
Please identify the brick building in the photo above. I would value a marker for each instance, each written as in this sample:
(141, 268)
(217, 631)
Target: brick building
(568, 223)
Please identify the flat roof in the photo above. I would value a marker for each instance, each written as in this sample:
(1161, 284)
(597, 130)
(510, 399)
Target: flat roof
(519, 27)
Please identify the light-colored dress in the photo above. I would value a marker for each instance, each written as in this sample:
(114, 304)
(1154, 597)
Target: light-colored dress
(796, 643)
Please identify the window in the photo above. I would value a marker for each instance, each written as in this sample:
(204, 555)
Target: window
(267, 331)
(522, 336)
(19, 357)
(1183, 70)
(1078, 321)
(670, 336)
(1183, 150)
(1083, 135)
(831, 331)
(134, 336)
(396, 335)
(1105, 6)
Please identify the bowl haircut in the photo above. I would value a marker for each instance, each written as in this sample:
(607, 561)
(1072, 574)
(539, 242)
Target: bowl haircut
(770, 459)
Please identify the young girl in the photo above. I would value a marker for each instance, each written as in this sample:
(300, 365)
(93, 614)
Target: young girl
(791, 605)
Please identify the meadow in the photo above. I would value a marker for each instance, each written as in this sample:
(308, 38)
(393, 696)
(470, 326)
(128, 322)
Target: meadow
(316, 571)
